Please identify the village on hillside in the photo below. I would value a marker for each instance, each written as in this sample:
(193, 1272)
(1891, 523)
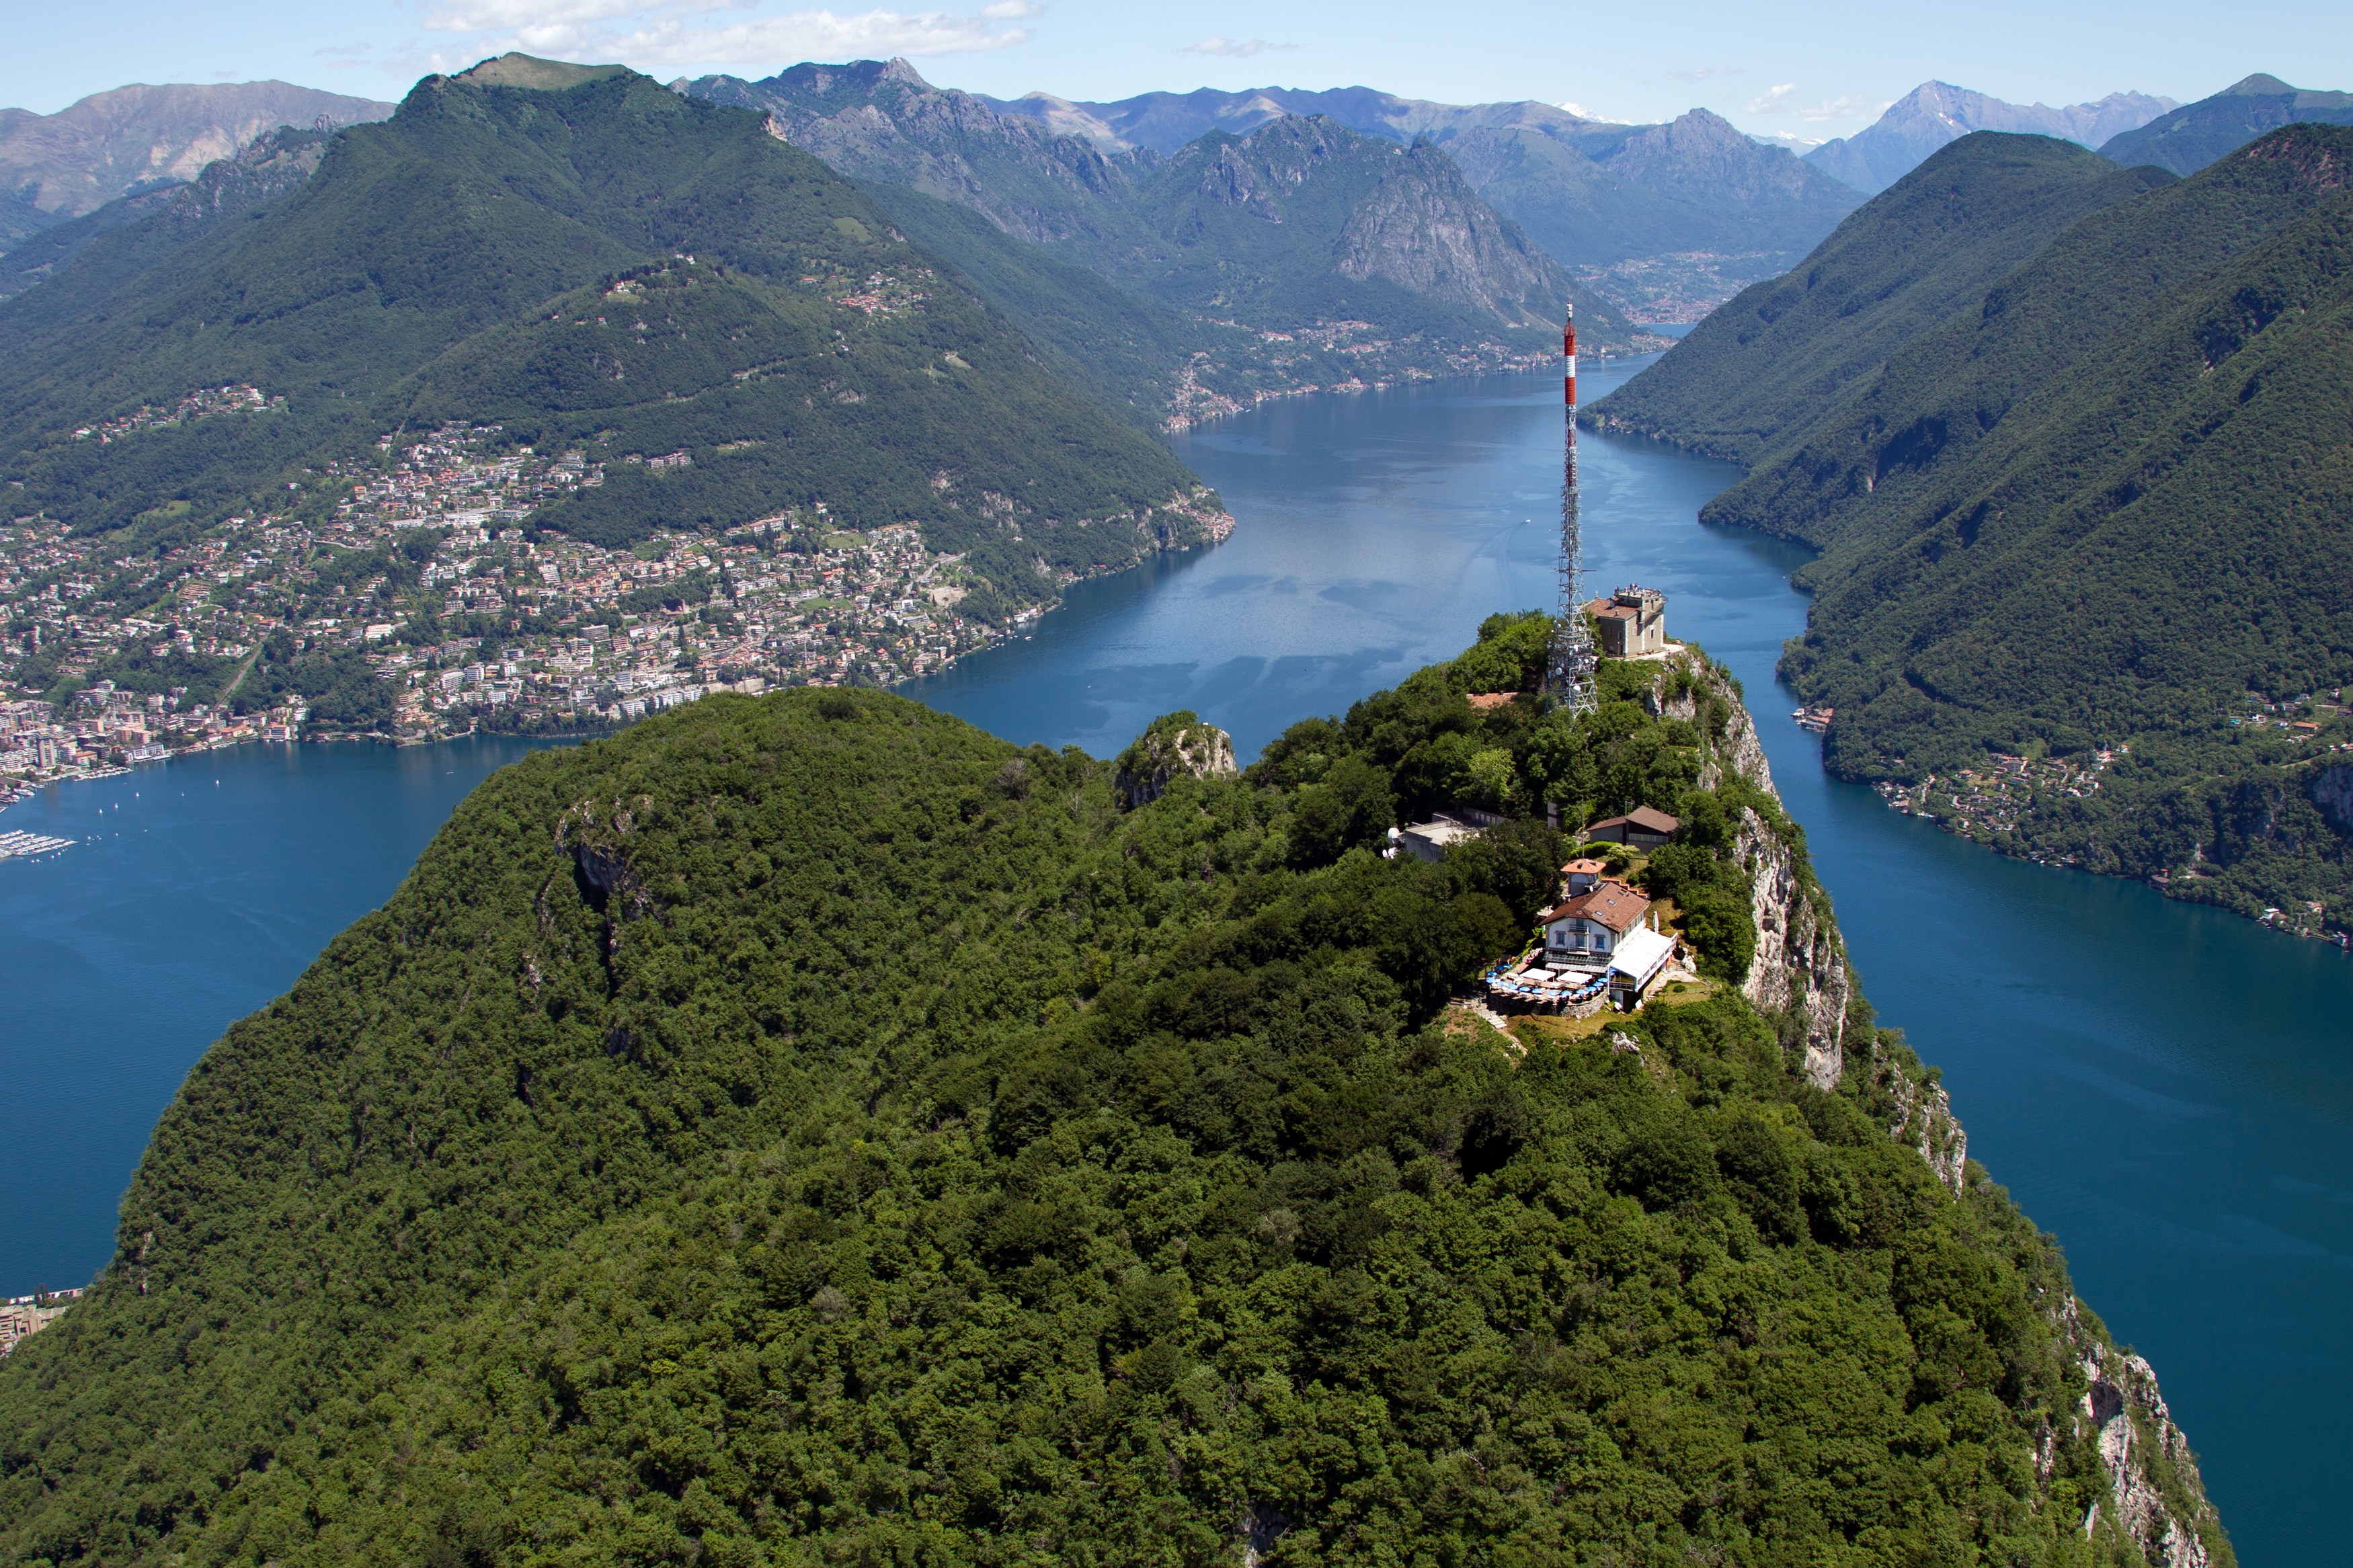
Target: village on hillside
(439, 610)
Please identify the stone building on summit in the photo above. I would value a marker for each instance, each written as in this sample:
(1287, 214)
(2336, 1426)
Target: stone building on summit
(1634, 622)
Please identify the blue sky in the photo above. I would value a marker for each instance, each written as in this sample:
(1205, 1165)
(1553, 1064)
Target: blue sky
(1818, 70)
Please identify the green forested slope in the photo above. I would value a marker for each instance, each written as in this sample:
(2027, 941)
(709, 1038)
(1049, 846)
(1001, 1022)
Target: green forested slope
(2129, 528)
(811, 1130)
(1128, 349)
(2194, 135)
(464, 260)
(1760, 375)
(1861, 465)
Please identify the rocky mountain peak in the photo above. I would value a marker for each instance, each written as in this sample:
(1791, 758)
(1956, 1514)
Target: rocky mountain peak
(113, 143)
(1936, 113)
(856, 79)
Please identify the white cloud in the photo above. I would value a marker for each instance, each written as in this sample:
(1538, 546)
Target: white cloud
(660, 33)
(1593, 114)
(1233, 48)
(1783, 99)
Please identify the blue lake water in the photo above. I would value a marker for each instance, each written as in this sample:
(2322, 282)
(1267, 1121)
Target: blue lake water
(2164, 1088)
(210, 883)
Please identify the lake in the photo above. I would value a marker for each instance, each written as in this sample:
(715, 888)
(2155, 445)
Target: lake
(2164, 1088)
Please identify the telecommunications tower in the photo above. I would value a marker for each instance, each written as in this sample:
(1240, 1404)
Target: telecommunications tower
(1568, 674)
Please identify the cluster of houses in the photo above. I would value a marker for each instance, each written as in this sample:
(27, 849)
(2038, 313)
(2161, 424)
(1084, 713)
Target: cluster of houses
(1602, 945)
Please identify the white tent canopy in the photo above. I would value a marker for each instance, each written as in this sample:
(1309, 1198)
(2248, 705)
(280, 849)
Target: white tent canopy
(1640, 954)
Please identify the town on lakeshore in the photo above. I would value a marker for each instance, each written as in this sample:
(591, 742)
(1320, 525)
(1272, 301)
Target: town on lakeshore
(442, 615)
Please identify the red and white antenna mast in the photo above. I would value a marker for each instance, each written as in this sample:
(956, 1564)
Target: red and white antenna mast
(1570, 665)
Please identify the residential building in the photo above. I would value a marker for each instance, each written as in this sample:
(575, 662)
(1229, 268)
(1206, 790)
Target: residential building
(1583, 932)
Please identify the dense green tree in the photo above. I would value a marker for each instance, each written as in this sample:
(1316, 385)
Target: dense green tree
(806, 1128)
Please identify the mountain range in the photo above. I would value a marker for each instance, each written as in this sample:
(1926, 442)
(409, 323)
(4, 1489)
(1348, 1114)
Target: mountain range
(58, 166)
(588, 260)
(1299, 255)
(1655, 217)
(1936, 113)
(2195, 135)
(1164, 122)
(1658, 222)
(2095, 508)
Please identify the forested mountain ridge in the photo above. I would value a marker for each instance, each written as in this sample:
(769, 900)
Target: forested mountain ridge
(1757, 376)
(587, 259)
(2188, 138)
(1848, 471)
(2094, 525)
(811, 1127)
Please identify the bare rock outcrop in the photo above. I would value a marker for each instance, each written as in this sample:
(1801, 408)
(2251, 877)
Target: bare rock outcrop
(1174, 746)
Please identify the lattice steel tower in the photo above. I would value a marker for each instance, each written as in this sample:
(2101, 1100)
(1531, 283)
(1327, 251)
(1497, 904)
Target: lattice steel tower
(1568, 676)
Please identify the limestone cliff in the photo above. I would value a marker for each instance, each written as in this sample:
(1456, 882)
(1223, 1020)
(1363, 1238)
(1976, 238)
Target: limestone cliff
(1799, 970)
(2153, 1508)
(1173, 746)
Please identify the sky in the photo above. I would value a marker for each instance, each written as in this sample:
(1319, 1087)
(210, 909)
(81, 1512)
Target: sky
(1810, 72)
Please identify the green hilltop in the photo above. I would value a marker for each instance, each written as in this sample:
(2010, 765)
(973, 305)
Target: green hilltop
(809, 1129)
(585, 258)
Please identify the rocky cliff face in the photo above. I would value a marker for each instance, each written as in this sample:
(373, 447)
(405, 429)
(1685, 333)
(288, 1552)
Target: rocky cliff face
(1423, 227)
(1800, 970)
(2156, 1510)
(2153, 1510)
(881, 121)
(1176, 745)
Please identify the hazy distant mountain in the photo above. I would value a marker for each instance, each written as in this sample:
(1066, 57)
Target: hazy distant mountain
(61, 165)
(1164, 122)
(877, 119)
(1664, 220)
(264, 168)
(1936, 113)
(2195, 135)
(1327, 201)
(1604, 193)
